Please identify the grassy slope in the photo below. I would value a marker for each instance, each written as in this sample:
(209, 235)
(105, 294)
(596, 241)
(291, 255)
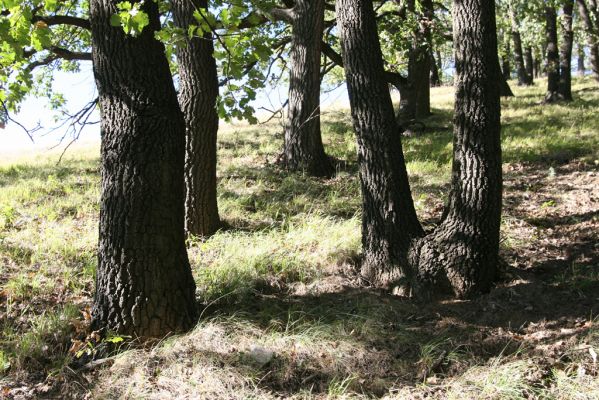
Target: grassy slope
(281, 279)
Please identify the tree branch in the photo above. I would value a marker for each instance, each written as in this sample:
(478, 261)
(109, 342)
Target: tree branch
(51, 20)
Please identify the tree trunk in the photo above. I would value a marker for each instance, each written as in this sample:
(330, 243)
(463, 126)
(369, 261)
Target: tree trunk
(462, 253)
(529, 62)
(592, 35)
(463, 250)
(523, 78)
(505, 63)
(389, 220)
(581, 67)
(198, 90)
(537, 64)
(552, 55)
(144, 285)
(303, 149)
(435, 77)
(421, 64)
(504, 88)
(565, 75)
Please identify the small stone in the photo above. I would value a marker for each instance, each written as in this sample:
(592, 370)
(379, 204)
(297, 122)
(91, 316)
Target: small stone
(261, 355)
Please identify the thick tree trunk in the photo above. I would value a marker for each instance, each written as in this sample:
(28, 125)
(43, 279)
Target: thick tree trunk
(565, 73)
(529, 62)
(581, 56)
(592, 35)
(303, 149)
(462, 253)
(198, 90)
(553, 73)
(144, 285)
(389, 219)
(523, 78)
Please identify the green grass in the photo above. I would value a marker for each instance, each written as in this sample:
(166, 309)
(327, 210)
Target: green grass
(277, 277)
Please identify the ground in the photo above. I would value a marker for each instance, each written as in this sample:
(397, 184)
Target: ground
(283, 313)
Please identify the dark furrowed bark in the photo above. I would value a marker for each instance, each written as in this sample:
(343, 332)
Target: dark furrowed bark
(144, 285)
(303, 149)
(198, 91)
(389, 221)
(461, 255)
(565, 56)
(462, 252)
(552, 55)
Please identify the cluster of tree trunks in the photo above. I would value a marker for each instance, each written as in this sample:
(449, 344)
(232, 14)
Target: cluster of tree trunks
(461, 254)
(159, 157)
(559, 79)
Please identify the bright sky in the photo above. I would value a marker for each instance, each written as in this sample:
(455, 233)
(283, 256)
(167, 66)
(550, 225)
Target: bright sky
(78, 89)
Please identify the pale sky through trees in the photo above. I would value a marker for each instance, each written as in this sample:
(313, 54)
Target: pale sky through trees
(79, 89)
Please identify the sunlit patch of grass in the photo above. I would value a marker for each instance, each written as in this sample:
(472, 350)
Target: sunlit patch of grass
(233, 263)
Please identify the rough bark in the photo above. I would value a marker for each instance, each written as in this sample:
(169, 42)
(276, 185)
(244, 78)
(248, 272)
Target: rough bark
(592, 32)
(198, 90)
(144, 285)
(523, 78)
(462, 253)
(565, 74)
(389, 219)
(529, 63)
(463, 250)
(302, 148)
(581, 67)
(553, 73)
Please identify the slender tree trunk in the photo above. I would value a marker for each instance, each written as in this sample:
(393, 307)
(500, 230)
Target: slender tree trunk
(504, 88)
(581, 56)
(529, 62)
(565, 75)
(303, 149)
(419, 63)
(462, 253)
(389, 219)
(523, 79)
(553, 73)
(505, 63)
(464, 249)
(435, 77)
(592, 35)
(144, 285)
(537, 64)
(198, 90)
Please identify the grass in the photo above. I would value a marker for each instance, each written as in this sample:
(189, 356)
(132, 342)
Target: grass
(281, 280)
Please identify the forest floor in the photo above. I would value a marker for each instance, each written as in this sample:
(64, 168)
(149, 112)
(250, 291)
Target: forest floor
(283, 315)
